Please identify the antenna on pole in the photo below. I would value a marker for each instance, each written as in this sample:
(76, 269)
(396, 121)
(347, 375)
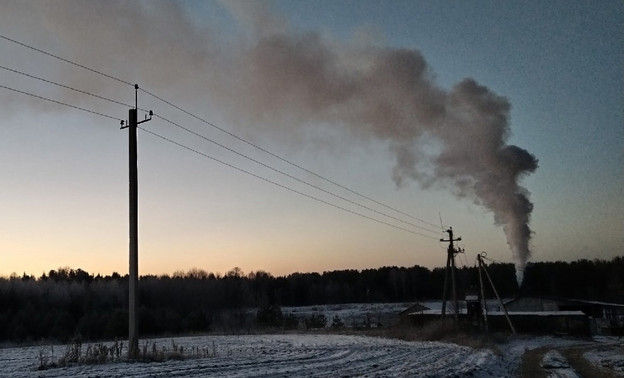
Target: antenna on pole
(450, 267)
(133, 274)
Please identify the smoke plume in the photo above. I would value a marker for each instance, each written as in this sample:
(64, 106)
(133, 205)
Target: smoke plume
(275, 78)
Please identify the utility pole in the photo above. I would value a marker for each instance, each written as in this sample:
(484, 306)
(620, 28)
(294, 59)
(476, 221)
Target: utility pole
(450, 266)
(482, 266)
(483, 301)
(133, 274)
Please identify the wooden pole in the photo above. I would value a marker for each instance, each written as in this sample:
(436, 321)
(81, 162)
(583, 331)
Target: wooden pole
(450, 265)
(513, 330)
(483, 303)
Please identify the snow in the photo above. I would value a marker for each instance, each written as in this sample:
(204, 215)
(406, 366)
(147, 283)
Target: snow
(557, 365)
(326, 355)
(610, 355)
(310, 355)
(352, 314)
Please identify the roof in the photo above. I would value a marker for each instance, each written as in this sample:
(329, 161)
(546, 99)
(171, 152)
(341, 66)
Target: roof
(502, 313)
(415, 308)
(583, 301)
(537, 313)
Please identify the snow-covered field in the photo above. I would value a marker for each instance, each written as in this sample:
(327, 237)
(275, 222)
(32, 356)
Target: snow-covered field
(327, 355)
(317, 355)
(352, 314)
(305, 355)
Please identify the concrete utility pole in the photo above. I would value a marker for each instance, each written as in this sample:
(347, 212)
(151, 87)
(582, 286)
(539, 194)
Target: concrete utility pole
(133, 274)
(450, 266)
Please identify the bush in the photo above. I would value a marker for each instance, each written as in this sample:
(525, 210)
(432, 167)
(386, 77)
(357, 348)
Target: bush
(337, 322)
(316, 321)
(270, 316)
(291, 322)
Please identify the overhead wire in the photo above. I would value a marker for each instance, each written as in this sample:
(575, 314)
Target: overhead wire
(211, 141)
(284, 159)
(60, 103)
(281, 185)
(64, 60)
(291, 176)
(200, 119)
(65, 86)
(493, 260)
(222, 162)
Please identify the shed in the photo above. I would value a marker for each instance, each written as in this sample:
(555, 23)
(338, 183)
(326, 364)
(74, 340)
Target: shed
(604, 318)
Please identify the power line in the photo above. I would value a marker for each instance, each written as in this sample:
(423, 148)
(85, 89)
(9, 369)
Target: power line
(65, 86)
(60, 103)
(223, 163)
(293, 177)
(281, 185)
(285, 160)
(218, 128)
(64, 60)
(493, 260)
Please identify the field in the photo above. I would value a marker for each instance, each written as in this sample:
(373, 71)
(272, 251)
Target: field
(331, 353)
(328, 355)
(313, 355)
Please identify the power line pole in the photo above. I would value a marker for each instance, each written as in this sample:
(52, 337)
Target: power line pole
(450, 266)
(482, 266)
(133, 273)
(483, 303)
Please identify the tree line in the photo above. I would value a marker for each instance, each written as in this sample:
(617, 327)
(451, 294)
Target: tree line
(68, 302)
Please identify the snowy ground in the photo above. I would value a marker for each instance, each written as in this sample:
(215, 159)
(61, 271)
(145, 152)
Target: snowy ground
(323, 355)
(608, 354)
(604, 354)
(285, 355)
(557, 366)
(352, 314)
(331, 355)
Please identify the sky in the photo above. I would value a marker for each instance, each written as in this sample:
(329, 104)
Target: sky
(502, 120)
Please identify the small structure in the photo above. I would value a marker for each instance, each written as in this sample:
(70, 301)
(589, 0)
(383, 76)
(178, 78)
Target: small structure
(407, 316)
(574, 323)
(473, 307)
(532, 315)
(602, 318)
(415, 308)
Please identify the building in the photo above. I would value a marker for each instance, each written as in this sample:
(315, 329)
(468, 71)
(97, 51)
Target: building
(534, 315)
(603, 318)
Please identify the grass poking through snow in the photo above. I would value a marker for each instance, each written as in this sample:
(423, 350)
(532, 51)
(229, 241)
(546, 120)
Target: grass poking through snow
(101, 353)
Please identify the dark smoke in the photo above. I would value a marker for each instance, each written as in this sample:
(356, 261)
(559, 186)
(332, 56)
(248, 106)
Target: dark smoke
(274, 78)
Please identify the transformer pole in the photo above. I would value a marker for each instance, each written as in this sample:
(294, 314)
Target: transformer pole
(133, 272)
(450, 266)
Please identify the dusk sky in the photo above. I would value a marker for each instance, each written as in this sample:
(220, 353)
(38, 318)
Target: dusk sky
(453, 111)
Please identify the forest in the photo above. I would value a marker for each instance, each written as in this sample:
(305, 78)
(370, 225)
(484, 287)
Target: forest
(67, 303)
